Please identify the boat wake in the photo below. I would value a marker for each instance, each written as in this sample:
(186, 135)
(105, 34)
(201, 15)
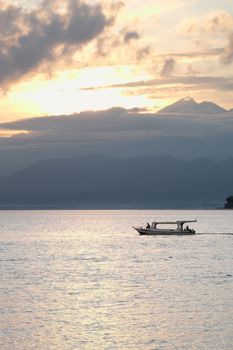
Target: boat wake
(215, 233)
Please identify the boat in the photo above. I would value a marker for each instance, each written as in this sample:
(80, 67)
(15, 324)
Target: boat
(156, 228)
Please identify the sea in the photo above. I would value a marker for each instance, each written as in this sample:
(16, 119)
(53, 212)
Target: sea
(86, 280)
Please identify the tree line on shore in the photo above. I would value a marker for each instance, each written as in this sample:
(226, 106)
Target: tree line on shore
(229, 203)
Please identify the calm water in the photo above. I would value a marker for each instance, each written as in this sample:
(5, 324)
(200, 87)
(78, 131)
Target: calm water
(87, 280)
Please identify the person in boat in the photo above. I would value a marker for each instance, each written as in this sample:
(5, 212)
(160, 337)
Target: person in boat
(147, 225)
(187, 228)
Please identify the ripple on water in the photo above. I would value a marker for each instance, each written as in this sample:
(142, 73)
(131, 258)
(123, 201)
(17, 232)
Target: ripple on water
(67, 286)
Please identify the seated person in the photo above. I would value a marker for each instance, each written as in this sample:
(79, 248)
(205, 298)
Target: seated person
(147, 225)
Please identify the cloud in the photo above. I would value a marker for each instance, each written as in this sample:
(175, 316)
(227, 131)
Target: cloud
(210, 31)
(131, 35)
(189, 81)
(45, 34)
(227, 57)
(168, 67)
(143, 52)
(109, 122)
(216, 22)
(207, 53)
(116, 132)
(105, 44)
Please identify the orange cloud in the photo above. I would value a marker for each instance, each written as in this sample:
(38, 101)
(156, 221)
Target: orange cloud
(212, 23)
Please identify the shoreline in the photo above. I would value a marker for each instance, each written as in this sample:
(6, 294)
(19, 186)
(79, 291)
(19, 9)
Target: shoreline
(98, 208)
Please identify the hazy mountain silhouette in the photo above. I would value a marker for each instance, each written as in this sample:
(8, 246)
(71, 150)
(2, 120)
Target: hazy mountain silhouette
(185, 129)
(98, 181)
(189, 105)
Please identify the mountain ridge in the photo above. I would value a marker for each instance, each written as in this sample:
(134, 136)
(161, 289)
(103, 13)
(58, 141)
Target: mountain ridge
(153, 181)
(189, 105)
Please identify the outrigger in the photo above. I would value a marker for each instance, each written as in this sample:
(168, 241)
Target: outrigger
(156, 229)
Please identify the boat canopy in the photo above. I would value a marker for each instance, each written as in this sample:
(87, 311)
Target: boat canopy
(174, 222)
(179, 223)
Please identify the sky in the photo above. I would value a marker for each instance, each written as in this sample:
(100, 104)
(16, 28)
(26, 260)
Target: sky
(89, 77)
(63, 57)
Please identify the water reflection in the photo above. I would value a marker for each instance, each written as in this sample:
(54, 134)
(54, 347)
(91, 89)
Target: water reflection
(86, 280)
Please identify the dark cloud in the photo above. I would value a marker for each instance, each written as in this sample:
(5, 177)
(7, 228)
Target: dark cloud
(116, 132)
(45, 34)
(204, 82)
(131, 35)
(168, 67)
(113, 121)
(143, 52)
(195, 54)
(106, 44)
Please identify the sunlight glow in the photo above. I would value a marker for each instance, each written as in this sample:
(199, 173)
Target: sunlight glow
(76, 91)
(96, 73)
(73, 91)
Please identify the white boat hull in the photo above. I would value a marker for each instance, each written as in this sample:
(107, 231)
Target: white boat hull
(154, 232)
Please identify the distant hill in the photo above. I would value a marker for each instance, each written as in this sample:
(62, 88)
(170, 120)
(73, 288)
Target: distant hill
(189, 105)
(96, 181)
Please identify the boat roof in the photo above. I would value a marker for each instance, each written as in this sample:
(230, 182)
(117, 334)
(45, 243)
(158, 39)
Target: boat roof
(174, 222)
